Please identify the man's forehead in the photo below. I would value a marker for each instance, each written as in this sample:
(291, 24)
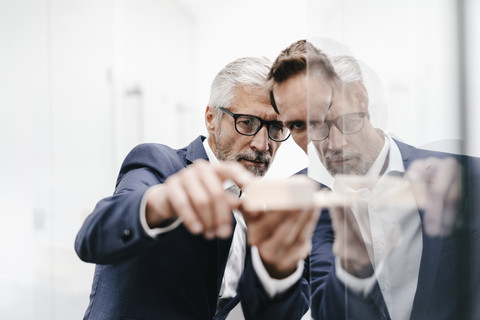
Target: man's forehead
(350, 97)
(303, 96)
(255, 107)
(290, 95)
(243, 91)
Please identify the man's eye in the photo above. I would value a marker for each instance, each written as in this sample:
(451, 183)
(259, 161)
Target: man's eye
(352, 122)
(277, 126)
(245, 122)
(296, 125)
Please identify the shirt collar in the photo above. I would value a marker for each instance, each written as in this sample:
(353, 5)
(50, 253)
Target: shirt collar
(395, 161)
(211, 156)
(379, 162)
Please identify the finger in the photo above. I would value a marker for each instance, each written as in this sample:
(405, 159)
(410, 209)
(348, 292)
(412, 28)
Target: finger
(337, 216)
(443, 174)
(347, 233)
(221, 202)
(180, 204)
(308, 228)
(295, 226)
(282, 251)
(249, 215)
(258, 229)
(287, 232)
(200, 200)
(298, 245)
(263, 226)
(443, 190)
(338, 223)
(234, 171)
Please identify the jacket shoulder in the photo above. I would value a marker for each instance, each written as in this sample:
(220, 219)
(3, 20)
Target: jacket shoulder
(160, 158)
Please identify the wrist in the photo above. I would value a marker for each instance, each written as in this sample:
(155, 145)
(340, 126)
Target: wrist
(279, 272)
(158, 213)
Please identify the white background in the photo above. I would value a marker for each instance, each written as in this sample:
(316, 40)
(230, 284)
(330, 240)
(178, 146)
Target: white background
(81, 82)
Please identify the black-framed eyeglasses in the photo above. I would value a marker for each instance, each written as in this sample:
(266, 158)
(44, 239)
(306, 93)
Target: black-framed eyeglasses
(349, 123)
(249, 125)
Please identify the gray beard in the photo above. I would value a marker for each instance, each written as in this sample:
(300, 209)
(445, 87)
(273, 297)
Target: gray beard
(254, 155)
(359, 167)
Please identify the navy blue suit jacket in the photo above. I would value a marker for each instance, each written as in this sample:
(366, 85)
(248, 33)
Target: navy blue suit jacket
(449, 281)
(175, 276)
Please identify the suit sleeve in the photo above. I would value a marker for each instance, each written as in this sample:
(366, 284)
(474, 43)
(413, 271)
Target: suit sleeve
(257, 304)
(113, 232)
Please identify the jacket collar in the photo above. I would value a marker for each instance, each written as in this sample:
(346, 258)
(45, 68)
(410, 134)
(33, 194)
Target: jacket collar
(195, 150)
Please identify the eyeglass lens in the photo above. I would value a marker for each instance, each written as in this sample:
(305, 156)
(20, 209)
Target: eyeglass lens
(251, 125)
(347, 124)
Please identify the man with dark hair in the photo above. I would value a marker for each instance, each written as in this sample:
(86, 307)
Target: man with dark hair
(380, 261)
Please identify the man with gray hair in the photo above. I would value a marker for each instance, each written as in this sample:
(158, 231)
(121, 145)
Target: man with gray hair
(166, 244)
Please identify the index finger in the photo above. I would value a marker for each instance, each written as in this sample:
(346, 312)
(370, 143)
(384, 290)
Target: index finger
(231, 170)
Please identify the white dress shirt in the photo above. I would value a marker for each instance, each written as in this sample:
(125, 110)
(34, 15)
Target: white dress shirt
(392, 234)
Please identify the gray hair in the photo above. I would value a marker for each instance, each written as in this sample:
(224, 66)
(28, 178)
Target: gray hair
(249, 71)
(350, 70)
(347, 69)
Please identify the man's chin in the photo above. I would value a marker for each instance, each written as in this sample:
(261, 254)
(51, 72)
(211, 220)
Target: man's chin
(258, 171)
(345, 169)
(338, 167)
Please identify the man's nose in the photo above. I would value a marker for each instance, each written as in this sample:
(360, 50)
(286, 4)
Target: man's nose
(336, 140)
(260, 140)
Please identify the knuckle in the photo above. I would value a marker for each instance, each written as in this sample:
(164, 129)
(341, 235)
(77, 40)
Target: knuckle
(202, 204)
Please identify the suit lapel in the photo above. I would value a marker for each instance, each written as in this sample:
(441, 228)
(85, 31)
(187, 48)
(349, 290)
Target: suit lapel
(195, 150)
(431, 249)
(429, 262)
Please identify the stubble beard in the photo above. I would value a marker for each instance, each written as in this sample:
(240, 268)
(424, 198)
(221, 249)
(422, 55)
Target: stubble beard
(358, 163)
(259, 171)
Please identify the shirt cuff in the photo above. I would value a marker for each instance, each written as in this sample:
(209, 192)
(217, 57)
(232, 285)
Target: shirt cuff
(143, 219)
(273, 286)
(356, 285)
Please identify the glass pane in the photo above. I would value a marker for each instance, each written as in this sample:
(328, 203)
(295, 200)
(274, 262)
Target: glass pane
(405, 242)
(82, 82)
(26, 287)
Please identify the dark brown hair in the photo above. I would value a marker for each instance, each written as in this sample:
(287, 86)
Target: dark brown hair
(295, 59)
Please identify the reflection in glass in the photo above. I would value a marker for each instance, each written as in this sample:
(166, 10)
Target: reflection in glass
(406, 248)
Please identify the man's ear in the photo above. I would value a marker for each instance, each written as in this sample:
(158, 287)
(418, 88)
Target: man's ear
(210, 119)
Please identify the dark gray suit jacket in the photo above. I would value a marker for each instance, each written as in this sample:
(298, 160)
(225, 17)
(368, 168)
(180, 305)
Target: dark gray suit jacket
(449, 281)
(175, 276)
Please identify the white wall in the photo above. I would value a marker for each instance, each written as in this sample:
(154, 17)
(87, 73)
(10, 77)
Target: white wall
(412, 46)
(81, 82)
(66, 66)
(472, 63)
